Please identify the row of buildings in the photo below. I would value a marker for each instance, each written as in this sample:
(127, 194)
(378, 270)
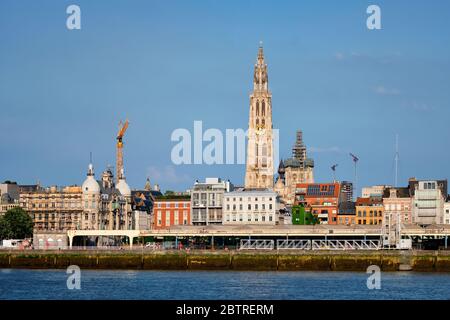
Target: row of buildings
(103, 205)
(108, 203)
(422, 202)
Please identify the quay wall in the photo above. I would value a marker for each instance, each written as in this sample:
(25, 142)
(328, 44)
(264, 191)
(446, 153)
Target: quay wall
(434, 261)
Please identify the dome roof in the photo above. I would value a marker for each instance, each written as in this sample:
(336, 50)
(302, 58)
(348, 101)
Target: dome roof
(6, 198)
(90, 185)
(123, 187)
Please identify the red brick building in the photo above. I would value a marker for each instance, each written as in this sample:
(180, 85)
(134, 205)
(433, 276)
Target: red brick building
(171, 211)
(321, 199)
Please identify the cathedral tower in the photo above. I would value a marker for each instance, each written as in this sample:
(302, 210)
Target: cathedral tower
(259, 167)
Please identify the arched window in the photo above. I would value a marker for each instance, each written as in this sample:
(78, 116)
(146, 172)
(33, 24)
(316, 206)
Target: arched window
(264, 155)
(257, 123)
(263, 108)
(263, 122)
(257, 108)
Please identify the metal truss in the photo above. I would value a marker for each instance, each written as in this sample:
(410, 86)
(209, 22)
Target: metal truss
(346, 245)
(294, 244)
(255, 244)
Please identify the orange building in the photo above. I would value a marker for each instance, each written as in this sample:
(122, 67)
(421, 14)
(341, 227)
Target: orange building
(321, 199)
(369, 211)
(347, 213)
(171, 211)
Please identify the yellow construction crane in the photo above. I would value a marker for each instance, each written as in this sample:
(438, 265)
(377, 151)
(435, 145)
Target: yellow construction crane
(119, 161)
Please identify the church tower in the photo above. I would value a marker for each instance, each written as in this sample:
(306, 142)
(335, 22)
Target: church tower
(259, 167)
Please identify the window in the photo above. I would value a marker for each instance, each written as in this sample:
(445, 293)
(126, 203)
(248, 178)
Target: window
(167, 218)
(249, 206)
(176, 204)
(228, 207)
(176, 216)
(240, 207)
(234, 207)
(185, 221)
(256, 206)
(270, 206)
(240, 217)
(159, 218)
(263, 206)
(270, 218)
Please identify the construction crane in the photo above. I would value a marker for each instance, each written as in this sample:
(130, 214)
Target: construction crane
(119, 160)
(355, 161)
(333, 167)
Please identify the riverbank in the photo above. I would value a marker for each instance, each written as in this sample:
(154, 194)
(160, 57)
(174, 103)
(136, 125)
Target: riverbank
(427, 261)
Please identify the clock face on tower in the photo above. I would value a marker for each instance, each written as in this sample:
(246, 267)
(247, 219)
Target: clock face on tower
(260, 131)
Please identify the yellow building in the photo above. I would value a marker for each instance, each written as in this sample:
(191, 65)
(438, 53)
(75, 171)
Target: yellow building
(53, 209)
(369, 211)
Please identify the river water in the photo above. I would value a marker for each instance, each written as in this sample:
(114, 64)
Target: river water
(222, 285)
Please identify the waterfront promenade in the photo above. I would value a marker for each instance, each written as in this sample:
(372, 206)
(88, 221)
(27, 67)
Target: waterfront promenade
(287, 260)
(278, 231)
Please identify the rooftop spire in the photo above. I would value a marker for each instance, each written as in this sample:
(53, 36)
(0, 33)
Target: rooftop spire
(90, 170)
(299, 149)
(260, 53)
(148, 186)
(260, 78)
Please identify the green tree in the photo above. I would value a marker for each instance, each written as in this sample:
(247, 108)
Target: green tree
(16, 224)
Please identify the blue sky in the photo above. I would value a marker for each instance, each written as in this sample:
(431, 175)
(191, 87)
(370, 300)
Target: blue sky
(164, 64)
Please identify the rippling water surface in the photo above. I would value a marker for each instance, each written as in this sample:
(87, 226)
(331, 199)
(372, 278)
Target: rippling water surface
(109, 284)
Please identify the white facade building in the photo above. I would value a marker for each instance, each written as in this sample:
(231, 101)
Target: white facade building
(251, 207)
(373, 191)
(428, 201)
(207, 200)
(447, 212)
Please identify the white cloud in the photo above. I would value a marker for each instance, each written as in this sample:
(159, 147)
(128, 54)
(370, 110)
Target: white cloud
(339, 56)
(166, 174)
(325, 150)
(418, 106)
(382, 90)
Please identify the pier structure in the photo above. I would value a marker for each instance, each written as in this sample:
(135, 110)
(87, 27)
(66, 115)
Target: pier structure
(368, 233)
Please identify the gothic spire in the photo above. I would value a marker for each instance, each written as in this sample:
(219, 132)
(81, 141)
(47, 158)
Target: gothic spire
(260, 75)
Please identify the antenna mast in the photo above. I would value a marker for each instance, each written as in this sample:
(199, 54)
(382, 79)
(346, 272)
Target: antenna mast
(333, 167)
(355, 161)
(396, 161)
